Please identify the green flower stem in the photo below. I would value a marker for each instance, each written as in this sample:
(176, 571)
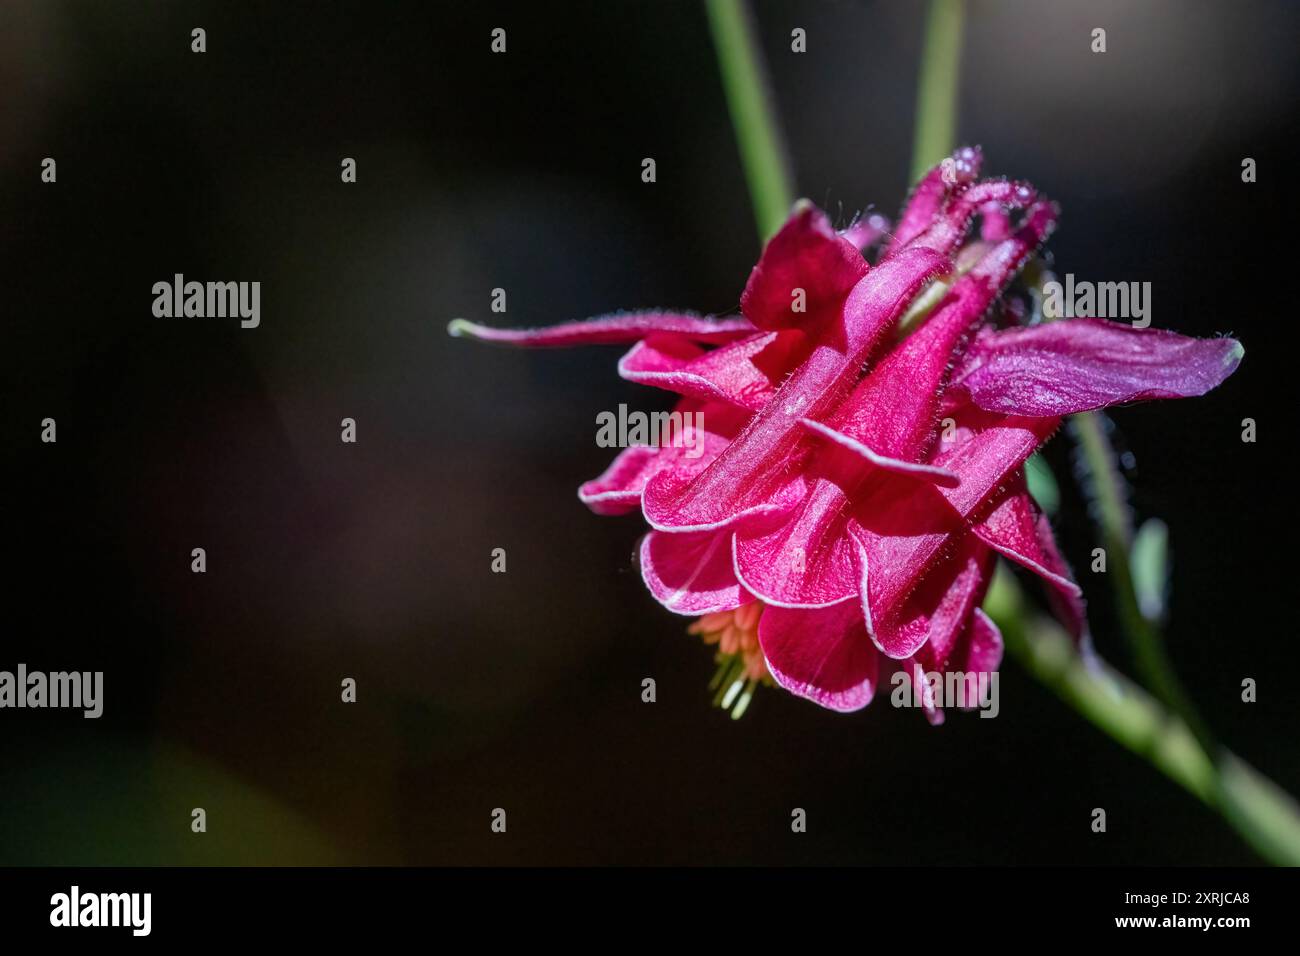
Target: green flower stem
(1265, 816)
(758, 132)
(936, 94)
(1115, 523)
(1105, 697)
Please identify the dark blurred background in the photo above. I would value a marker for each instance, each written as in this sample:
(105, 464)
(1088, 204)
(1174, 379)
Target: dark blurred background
(371, 561)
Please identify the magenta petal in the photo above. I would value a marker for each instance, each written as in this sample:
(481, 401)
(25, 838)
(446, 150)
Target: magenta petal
(866, 230)
(877, 302)
(950, 227)
(806, 255)
(928, 196)
(892, 412)
(744, 373)
(741, 480)
(619, 327)
(618, 489)
(900, 538)
(1016, 529)
(988, 449)
(823, 655)
(1059, 368)
(935, 613)
(923, 472)
(980, 649)
(915, 670)
(808, 561)
(995, 224)
(691, 573)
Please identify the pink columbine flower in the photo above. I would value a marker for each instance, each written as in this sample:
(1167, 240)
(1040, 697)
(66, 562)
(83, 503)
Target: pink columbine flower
(866, 428)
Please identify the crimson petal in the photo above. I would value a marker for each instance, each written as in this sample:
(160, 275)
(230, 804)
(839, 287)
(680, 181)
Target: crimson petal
(1059, 368)
(1017, 529)
(823, 655)
(807, 256)
(691, 573)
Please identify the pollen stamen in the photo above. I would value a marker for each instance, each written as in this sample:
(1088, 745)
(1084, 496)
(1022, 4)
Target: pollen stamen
(741, 665)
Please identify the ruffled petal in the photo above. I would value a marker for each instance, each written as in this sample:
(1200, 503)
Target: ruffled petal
(900, 538)
(618, 489)
(808, 561)
(980, 649)
(1060, 368)
(823, 655)
(691, 573)
(976, 656)
(742, 477)
(744, 373)
(936, 611)
(923, 472)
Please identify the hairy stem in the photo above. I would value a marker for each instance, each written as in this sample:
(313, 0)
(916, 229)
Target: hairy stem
(1115, 523)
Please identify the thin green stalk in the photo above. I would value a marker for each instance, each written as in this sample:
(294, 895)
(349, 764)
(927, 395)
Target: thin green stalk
(936, 93)
(1117, 536)
(758, 132)
(1264, 815)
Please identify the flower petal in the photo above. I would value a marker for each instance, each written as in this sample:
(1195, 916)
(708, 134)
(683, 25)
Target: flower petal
(928, 196)
(866, 230)
(976, 655)
(892, 412)
(741, 479)
(1059, 368)
(950, 226)
(744, 373)
(823, 655)
(901, 539)
(690, 573)
(1016, 529)
(613, 329)
(806, 256)
(915, 671)
(980, 649)
(936, 611)
(618, 489)
(807, 561)
(940, 476)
